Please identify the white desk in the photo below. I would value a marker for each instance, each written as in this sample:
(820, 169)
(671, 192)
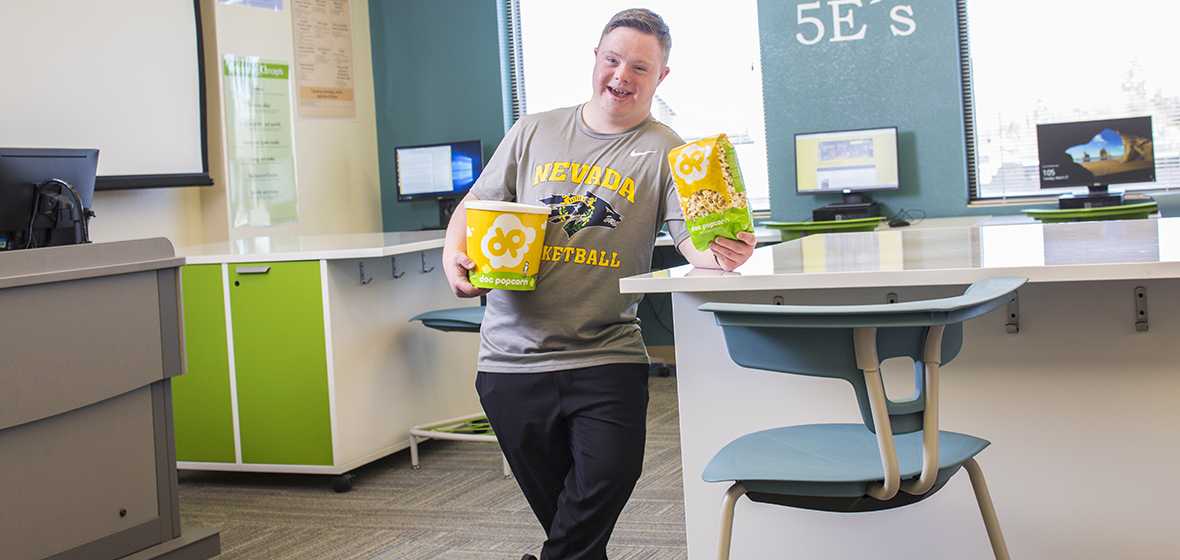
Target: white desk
(313, 247)
(327, 390)
(1082, 409)
(761, 235)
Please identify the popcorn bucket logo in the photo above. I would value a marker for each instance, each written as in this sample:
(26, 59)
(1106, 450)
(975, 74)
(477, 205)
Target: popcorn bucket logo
(505, 241)
(693, 163)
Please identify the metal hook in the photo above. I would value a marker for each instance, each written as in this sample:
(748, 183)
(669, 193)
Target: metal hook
(1141, 309)
(1013, 324)
(393, 261)
(424, 269)
(363, 280)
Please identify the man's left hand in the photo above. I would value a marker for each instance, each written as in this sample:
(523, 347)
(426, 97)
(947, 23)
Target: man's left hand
(730, 253)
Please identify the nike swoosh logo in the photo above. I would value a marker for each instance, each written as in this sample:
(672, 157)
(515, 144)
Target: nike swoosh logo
(637, 154)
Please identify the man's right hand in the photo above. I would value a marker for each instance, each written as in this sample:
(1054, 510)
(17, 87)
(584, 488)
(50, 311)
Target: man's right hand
(455, 266)
(455, 261)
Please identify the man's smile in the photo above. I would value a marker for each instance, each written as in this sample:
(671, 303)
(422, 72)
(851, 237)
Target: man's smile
(618, 93)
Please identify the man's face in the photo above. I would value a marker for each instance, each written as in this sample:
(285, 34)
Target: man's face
(627, 68)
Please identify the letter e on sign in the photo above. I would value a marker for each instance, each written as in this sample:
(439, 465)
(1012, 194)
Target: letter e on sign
(838, 20)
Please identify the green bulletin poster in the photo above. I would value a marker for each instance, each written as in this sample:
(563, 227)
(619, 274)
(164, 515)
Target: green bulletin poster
(261, 146)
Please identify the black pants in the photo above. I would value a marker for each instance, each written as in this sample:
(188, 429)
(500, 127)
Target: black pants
(574, 440)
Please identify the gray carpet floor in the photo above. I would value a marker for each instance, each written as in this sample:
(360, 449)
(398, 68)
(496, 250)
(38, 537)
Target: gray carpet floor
(458, 506)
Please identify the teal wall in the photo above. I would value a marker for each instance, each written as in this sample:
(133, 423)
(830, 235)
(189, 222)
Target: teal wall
(909, 81)
(436, 74)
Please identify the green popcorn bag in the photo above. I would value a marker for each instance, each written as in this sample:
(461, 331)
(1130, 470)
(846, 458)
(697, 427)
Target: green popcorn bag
(712, 193)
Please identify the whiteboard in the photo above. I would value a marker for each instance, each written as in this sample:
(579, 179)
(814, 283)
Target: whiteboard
(123, 76)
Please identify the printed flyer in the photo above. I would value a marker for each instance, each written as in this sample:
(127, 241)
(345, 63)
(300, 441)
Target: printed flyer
(261, 142)
(322, 31)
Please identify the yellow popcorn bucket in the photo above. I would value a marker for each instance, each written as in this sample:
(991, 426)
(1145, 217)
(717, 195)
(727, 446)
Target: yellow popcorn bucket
(505, 241)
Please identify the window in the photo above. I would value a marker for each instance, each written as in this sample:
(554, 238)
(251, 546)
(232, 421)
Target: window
(715, 84)
(1045, 62)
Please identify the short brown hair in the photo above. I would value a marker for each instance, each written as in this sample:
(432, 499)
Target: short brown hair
(645, 21)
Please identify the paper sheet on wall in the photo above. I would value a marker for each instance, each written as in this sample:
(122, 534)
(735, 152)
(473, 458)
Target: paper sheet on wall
(261, 143)
(272, 5)
(322, 32)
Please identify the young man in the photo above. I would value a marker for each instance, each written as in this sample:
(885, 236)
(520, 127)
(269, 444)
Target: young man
(563, 369)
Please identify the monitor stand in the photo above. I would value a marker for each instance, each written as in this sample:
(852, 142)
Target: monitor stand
(446, 207)
(1097, 197)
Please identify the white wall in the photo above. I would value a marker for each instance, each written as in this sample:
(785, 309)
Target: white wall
(336, 161)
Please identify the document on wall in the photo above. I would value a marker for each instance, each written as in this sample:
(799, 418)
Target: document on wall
(261, 141)
(272, 5)
(323, 58)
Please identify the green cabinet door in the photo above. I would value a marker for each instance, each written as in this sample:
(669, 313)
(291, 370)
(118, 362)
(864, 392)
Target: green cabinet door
(201, 405)
(280, 363)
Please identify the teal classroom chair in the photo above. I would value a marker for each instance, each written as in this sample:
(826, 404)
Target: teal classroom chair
(474, 427)
(1169, 204)
(897, 456)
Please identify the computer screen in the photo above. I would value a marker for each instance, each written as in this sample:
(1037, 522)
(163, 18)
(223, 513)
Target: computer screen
(442, 172)
(438, 171)
(1095, 154)
(36, 209)
(846, 162)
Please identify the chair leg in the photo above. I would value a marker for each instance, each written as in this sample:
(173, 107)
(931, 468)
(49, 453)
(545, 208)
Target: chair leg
(727, 506)
(990, 521)
(507, 469)
(413, 451)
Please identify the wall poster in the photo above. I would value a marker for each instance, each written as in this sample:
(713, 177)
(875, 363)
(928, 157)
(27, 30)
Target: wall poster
(261, 142)
(322, 32)
(272, 5)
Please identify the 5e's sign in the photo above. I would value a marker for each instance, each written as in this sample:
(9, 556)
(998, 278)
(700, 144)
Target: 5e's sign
(843, 21)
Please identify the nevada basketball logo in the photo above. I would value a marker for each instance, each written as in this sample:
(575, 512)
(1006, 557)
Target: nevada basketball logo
(575, 212)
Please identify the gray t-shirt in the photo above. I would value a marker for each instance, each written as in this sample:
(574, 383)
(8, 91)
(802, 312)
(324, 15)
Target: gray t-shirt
(609, 195)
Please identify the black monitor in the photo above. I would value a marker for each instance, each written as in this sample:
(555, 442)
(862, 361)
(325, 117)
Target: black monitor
(848, 162)
(1095, 155)
(442, 172)
(45, 196)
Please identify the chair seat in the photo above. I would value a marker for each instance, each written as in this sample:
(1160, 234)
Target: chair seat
(457, 319)
(829, 460)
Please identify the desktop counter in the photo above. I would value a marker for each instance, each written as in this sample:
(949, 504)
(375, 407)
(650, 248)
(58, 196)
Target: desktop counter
(1081, 402)
(301, 357)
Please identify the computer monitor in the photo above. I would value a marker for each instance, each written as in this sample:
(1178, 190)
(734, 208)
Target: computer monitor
(442, 172)
(848, 162)
(45, 196)
(1095, 155)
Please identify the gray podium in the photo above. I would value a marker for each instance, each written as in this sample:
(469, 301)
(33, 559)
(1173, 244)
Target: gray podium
(89, 339)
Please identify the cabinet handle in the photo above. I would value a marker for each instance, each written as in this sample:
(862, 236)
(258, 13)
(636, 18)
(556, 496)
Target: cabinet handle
(252, 269)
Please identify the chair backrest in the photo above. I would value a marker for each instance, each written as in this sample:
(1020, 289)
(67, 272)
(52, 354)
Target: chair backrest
(819, 340)
(1169, 204)
(830, 352)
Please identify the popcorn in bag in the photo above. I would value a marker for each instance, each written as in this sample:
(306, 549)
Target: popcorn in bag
(712, 193)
